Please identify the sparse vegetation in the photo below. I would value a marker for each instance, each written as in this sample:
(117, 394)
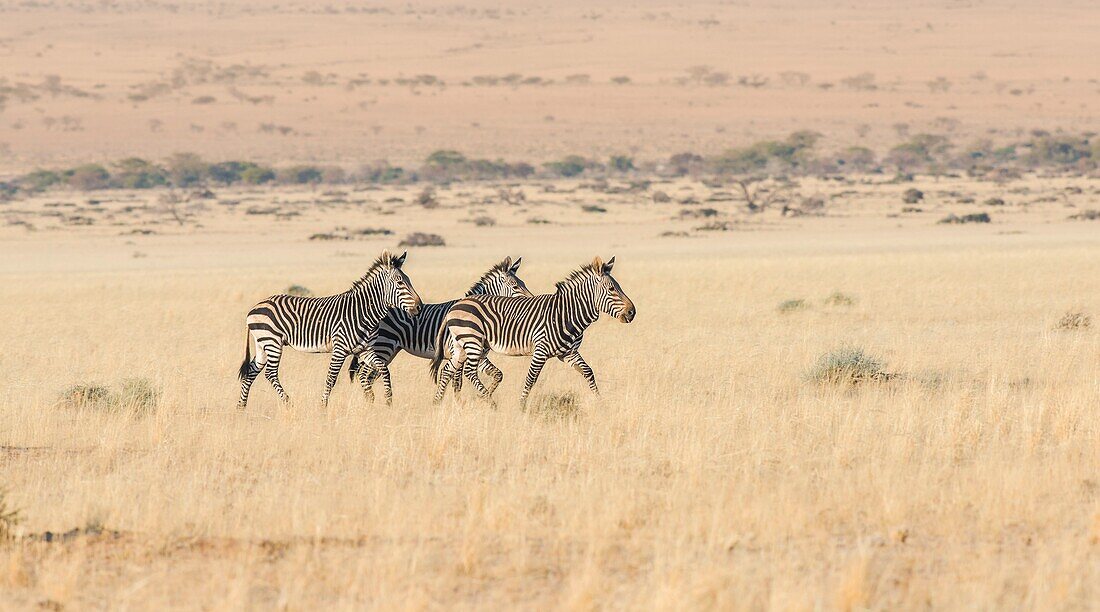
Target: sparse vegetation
(136, 396)
(952, 218)
(789, 306)
(1074, 320)
(422, 239)
(298, 291)
(847, 366)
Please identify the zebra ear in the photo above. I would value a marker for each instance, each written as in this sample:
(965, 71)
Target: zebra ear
(506, 263)
(515, 265)
(597, 264)
(397, 261)
(610, 264)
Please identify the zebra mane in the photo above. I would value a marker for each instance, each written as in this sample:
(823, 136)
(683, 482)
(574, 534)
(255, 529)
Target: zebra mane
(505, 266)
(585, 272)
(385, 260)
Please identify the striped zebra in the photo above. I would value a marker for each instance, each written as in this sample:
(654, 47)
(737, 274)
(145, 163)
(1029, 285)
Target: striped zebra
(543, 326)
(330, 324)
(398, 331)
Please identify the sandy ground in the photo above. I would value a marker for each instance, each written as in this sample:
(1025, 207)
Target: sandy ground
(711, 473)
(342, 83)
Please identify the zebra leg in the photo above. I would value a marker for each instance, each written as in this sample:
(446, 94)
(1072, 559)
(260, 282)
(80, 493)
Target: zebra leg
(339, 354)
(538, 359)
(574, 359)
(387, 387)
(469, 370)
(495, 375)
(273, 353)
(246, 383)
(367, 375)
(456, 381)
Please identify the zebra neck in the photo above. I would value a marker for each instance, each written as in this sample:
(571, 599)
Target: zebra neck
(479, 288)
(370, 304)
(580, 304)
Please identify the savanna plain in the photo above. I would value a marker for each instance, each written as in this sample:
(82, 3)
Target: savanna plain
(718, 469)
(862, 239)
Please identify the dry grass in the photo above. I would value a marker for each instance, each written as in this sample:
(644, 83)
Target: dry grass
(719, 478)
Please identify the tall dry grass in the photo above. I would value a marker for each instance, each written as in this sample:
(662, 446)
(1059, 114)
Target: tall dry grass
(711, 474)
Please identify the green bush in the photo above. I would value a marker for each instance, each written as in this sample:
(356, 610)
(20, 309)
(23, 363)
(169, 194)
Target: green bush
(846, 366)
(39, 180)
(186, 169)
(257, 175)
(573, 165)
(621, 163)
(300, 175)
(136, 173)
(87, 177)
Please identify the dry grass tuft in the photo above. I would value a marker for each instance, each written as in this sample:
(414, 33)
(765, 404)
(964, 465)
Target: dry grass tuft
(556, 406)
(1072, 321)
(136, 396)
(794, 305)
(847, 366)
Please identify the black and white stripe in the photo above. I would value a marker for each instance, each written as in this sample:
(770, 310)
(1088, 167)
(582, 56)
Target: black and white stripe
(543, 326)
(398, 331)
(331, 324)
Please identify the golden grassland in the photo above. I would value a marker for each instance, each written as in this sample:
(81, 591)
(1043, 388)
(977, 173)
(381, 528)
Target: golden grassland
(710, 474)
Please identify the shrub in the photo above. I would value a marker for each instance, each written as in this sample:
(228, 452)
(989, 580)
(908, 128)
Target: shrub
(85, 395)
(186, 169)
(421, 239)
(592, 208)
(920, 152)
(994, 202)
(88, 176)
(484, 221)
(789, 306)
(1086, 215)
(556, 406)
(912, 196)
(298, 291)
(138, 396)
(971, 218)
(39, 180)
(136, 173)
(837, 298)
(1074, 321)
(846, 366)
(794, 152)
(856, 158)
(570, 166)
(257, 175)
(300, 175)
(660, 197)
(621, 163)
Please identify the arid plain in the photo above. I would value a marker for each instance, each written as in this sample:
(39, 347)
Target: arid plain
(953, 465)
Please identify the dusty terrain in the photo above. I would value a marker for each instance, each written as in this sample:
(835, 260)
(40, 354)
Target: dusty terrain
(350, 83)
(951, 462)
(712, 472)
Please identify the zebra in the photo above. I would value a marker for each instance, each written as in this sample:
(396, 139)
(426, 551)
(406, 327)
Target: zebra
(543, 326)
(332, 323)
(398, 331)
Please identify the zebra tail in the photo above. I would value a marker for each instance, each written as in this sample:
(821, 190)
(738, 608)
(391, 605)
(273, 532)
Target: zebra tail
(246, 365)
(440, 338)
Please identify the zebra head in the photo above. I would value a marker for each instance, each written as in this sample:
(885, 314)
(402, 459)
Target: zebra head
(610, 296)
(501, 280)
(396, 287)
